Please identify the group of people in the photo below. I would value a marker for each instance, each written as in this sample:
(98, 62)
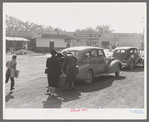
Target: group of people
(110, 45)
(60, 64)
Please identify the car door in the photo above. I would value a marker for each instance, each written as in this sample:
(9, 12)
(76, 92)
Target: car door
(94, 60)
(101, 62)
(134, 55)
(91, 58)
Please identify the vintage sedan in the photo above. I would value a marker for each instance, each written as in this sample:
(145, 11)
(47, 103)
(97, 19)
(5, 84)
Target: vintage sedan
(92, 62)
(129, 56)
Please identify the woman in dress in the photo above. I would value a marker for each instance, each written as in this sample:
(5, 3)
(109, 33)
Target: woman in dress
(69, 64)
(11, 65)
(54, 71)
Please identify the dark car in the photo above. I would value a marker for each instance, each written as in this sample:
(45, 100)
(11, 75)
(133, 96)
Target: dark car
(92, 62)
(129, 56)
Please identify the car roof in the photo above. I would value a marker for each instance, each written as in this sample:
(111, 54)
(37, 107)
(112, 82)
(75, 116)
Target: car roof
(126, 48)
(80, 48)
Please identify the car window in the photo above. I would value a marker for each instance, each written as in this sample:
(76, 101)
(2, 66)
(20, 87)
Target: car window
(93, 53)
(88, 55)
(138, 52)
(135, 51)
(75, 53)
(131, 51)
(122, 51)
(100, 53)
(117, 51)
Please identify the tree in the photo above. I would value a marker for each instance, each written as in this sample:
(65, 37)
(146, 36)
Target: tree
(87, 30)
(13, 23)
(104, 29)
(100, 29)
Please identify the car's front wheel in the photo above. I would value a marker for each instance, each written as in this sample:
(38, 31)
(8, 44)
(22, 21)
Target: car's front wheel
(89, 77)
(117, 73)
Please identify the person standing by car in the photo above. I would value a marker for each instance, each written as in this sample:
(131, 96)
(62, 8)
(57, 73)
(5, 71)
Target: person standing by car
(10, 73)
(69, 64)
(54, 71)
(117, 44)
(110, 46)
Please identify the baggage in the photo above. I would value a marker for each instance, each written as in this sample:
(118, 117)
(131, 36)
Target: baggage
(62, 80)
(16, 73)
(46, 71)
(77, 70)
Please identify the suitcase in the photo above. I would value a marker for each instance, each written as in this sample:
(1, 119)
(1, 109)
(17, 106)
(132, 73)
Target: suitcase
(16, 73)
(77, 69)
(62, 80)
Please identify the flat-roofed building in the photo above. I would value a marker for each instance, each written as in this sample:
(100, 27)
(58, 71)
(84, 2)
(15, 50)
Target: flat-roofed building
(47, 42)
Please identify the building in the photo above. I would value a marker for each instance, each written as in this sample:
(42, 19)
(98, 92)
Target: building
(46, 42)
(103, 40)
(16, 43)
(60, 40)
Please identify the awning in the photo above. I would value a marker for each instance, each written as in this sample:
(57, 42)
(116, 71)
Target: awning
(16, 39)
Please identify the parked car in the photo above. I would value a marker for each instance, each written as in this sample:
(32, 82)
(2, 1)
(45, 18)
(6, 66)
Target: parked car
(129, 56)
(92, 62)
(20, 52)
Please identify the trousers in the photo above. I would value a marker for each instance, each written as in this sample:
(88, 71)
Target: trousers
(11, 78)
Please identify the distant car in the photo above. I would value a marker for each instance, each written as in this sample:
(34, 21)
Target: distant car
(129, 56)
(20, 52)
(92, 62)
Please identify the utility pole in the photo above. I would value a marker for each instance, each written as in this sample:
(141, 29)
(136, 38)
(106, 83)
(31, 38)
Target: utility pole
(142, 45)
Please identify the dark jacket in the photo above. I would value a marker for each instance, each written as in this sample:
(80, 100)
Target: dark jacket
(54, 70)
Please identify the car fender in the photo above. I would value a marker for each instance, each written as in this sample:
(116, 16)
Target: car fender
(83, 69)
(113, 66)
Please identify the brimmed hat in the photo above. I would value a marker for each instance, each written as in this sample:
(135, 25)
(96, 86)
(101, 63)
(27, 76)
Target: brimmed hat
(53, 52)
(14, 56)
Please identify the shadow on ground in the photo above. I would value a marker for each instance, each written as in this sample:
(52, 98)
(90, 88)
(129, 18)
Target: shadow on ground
(49, 102)
(98, 84)
(136, 69)
(9, 96)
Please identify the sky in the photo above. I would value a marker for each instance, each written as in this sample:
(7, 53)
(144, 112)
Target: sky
(122, 17)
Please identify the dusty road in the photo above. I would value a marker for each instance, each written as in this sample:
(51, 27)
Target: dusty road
(126, 91)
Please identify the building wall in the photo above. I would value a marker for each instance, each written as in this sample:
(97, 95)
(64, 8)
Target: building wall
(129, 40)
(43, 44)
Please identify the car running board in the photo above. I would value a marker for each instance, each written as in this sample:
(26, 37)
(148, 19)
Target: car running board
(103, 74)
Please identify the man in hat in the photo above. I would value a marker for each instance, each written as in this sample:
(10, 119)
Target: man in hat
(10, 73)
(54, 71)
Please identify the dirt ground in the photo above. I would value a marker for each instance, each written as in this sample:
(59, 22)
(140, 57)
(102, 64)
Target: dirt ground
(126, 91)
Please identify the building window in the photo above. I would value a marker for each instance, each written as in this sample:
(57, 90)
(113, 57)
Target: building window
(68, 44)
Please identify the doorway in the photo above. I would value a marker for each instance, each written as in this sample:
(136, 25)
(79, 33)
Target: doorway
(51, 45)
